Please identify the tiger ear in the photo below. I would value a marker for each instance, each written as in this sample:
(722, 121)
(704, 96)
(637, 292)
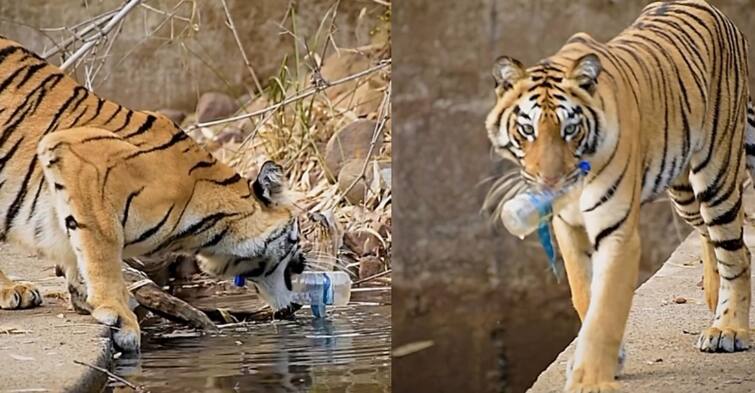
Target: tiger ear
(270, 185)
(506, 72)
(585, 72)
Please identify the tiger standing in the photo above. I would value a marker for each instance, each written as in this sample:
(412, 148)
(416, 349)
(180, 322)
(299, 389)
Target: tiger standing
(662, 106)
(87, 182)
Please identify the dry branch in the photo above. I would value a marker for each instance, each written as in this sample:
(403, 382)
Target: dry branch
(306, 93)
(114, 21)
(153, 298)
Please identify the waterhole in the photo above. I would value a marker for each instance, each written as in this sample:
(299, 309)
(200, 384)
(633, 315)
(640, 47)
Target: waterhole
(348, 351)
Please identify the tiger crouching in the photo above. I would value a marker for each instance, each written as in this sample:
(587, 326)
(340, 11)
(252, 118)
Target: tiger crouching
(87, 182)
(662, 106)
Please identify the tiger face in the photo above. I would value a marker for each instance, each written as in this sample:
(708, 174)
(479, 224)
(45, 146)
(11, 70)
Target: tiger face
(545, 118)
(262, 247)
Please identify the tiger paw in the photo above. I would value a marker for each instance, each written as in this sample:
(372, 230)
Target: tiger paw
(585, 379)
(78, 296)
(126, 333)
(716, 339)
(19, 295)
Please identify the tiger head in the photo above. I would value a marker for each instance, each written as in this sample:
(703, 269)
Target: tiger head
(546, 117)
(262, 246)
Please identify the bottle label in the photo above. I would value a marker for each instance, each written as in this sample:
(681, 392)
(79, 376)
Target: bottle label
(327, 290)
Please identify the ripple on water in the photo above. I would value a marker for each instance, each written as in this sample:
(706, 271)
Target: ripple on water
(347, 351)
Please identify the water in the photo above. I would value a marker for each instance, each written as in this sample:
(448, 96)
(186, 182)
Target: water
(349, 351)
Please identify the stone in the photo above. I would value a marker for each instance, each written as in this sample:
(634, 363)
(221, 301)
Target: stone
(351, 171)
(350, 142)
(177, 116)
(229, 134)
(362, 242)
(369, 266)
(213, 106)
(340, 65)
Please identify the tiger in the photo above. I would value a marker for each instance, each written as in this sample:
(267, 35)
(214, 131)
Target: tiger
(662, 106)
(86, 182)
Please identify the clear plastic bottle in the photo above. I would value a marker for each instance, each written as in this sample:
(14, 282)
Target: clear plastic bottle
(522, 214)
(322, 288)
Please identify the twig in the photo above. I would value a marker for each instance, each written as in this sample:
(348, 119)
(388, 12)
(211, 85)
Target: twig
(105, 30)
(111, 375)
(372, 277)
(95, 22)
(241, 47)
(302, 95)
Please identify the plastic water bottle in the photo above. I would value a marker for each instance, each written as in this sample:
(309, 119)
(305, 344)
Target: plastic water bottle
(322, 288)
(523, 214)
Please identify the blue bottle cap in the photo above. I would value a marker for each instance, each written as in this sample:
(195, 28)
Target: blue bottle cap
(239, 281)
(584, 166)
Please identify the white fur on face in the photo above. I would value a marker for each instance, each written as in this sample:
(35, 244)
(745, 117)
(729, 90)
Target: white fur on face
(273, 289)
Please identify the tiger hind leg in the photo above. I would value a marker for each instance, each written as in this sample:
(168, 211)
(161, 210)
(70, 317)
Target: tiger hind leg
(718, 189)
(688, 208)
(17, 295)
(92, 227)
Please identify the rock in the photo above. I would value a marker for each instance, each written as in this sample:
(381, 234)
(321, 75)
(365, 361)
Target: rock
(350, 142)
(229, 134)
(214, 106)
(369, 266)
(173, 114)
(351, 170)
(362, 242)
(340, 65)
(365, 99)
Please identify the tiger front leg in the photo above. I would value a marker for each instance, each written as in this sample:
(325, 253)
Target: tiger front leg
(94, 232)
(615, 269)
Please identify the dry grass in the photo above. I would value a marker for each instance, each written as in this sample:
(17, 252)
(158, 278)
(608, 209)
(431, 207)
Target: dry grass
(295, 135)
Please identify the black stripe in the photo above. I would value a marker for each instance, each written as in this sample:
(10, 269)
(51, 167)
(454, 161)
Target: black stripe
(117, 111)
(4, 159)
(611, 190)
(728, 245)
(215, 239)
(225, 182)
(202, 164)
(15, 207)
(55, 119)
(128, 120)
(129, 199)
(28, 109)
(36, 197)
(100, 138)
(194, 229)
(143, 128)
(100, 104)
(728, 216)
(178, 137)
(29, 73)
(7, 51)
(76, 120)
(149, 232)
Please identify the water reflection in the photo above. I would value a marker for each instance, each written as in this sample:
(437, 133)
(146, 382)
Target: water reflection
(349, 351)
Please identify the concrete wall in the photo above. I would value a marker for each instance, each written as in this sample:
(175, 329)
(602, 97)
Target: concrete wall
(494, 313)
(152, 71)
